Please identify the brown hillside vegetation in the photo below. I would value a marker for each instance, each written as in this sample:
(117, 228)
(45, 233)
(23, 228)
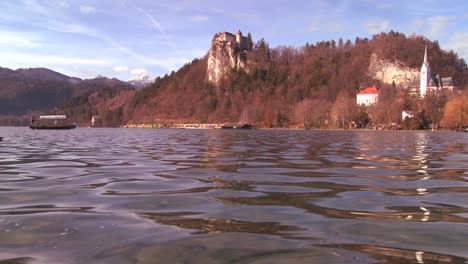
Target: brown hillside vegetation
(314, 85)
(285, 79)
(456, 112)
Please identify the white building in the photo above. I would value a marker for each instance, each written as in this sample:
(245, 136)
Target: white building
(406, 114)
(428, 83)
(368, 96)
(425, 75)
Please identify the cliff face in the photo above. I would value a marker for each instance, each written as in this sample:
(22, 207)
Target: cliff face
(389, 72)
(227, 51)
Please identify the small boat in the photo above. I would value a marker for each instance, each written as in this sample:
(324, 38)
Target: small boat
(236, 126)
(52, 122)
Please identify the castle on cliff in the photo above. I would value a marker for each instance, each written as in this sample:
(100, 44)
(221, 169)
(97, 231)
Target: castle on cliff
(232, 40)
(227, 51)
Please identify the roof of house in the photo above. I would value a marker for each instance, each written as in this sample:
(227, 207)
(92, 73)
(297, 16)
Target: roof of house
(447, 81)
(369, 90)
(444, 81)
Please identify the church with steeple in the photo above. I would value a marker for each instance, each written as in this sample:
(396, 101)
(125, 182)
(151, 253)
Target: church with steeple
(429, 83)
(425, 75)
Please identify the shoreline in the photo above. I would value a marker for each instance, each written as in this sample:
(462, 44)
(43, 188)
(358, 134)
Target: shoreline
(264, 128)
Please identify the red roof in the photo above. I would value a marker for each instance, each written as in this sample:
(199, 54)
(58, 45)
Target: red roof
(369, 90)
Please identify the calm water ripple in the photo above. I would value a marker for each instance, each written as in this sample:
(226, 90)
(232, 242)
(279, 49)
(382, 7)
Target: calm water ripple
(227, 196)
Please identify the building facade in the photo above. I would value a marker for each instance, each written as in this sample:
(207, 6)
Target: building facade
(368, 96)
(232, 40)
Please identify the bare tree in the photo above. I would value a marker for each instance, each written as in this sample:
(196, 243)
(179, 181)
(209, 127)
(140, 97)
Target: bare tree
(344, 110)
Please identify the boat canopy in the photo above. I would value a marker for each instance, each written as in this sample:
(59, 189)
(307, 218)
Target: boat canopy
(53, 117)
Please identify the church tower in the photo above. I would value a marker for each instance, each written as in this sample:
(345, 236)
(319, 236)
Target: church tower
(425, 75)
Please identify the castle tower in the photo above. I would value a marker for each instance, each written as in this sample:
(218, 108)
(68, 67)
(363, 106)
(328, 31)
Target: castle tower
(425, 75)
(239, 38)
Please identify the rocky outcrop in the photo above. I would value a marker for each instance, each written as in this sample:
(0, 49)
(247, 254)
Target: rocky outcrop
(227, 52)
(389, 72)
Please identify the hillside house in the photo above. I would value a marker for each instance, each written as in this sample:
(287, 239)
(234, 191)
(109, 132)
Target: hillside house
(368, 96)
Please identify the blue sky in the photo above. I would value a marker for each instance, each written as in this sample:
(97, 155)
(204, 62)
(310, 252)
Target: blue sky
(123, 38)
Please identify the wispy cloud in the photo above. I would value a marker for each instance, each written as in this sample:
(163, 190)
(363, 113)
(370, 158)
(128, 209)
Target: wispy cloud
(87, 9)
(313, 26)
(18, 39)
(248, 17)
(121, 69)
(139, 71)
(199, 18)
(49, 15)
(152, 19)
(438, 25)
(217, 10)
(35, 7)
(376, 25)
(70, 27)
(459, 43)
(416, 24)
(336, 27)
(36, 59)
(435, 26)
(316, 25)
(61, 3)
(380, 4)
(169, 64)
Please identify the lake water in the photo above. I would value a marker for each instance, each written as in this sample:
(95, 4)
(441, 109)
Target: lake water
(229, 196)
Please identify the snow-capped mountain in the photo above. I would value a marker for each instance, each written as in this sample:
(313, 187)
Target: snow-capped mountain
(140, 81)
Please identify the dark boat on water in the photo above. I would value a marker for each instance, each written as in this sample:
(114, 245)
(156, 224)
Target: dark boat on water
(52, 122)
(236, 126)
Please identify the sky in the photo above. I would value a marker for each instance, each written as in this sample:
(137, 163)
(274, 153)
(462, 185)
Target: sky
(126, 38)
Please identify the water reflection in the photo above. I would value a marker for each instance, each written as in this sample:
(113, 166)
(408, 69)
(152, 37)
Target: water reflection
(395, 255)
(127, 196)
(421, 155)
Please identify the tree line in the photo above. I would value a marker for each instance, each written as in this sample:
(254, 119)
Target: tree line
(310, 86)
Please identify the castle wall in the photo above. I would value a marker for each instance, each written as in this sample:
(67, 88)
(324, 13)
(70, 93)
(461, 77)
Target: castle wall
(226, 36)
(231, 39)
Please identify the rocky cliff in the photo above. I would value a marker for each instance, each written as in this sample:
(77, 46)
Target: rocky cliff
(389, 72)
(227, 51)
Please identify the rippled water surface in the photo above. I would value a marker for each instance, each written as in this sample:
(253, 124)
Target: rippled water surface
(227, 196)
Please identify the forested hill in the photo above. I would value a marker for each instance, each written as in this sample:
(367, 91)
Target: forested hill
(274, 85)
(26, 91)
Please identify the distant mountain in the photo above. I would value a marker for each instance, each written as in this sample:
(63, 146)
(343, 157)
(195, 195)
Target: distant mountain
(24, 91)
(104, 82)
(42, 74)
(140, 81)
